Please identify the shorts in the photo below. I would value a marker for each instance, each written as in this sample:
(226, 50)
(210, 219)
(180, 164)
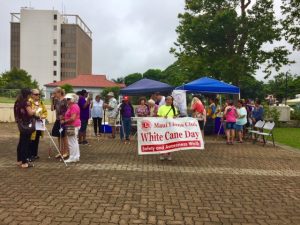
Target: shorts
(56, 128)
(112, 121)
(201, 124)
(230, 125)
(83, 126)
(239, 127)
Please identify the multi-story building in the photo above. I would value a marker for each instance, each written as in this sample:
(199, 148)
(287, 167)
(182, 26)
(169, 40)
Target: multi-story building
(50, 46)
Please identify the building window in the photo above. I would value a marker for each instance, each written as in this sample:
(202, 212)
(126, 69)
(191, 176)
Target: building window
(54, 73)
(55, 41)
(55, 16)
(54, 53)
(55, 27)
(54, 62)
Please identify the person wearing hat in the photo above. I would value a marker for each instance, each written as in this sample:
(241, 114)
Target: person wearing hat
(127, 111)
(72, 120)
(84, 105)
(112, 108)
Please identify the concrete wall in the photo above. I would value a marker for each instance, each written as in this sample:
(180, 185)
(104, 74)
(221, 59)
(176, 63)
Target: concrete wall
(93, 91)
(7, 113)
(285, 113)
(37, 34)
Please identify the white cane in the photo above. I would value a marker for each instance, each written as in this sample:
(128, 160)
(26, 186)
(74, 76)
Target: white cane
(53, 142)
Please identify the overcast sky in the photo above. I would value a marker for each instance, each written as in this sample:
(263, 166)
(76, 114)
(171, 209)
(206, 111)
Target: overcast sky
(128, 35)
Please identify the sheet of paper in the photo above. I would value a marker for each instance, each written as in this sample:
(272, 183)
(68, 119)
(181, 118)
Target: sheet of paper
(40, 125)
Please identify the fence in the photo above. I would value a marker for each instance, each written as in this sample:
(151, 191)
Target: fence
(9, 93)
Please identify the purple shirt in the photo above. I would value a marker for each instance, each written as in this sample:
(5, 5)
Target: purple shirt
(84, 112)
(127, 111)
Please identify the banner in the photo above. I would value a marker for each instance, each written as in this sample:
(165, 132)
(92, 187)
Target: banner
(160, 135)
(180, 101)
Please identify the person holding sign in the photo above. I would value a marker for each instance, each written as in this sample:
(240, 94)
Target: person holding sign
(167, 111)
(40, 114)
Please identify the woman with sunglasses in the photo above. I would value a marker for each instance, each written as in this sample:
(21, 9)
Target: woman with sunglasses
(72, 123)
(41, 113)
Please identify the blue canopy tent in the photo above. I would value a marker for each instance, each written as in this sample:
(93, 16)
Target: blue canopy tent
(209, 85)
(146, 86)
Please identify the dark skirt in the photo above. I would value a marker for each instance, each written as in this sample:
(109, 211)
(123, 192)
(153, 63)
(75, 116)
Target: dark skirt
(56, 128)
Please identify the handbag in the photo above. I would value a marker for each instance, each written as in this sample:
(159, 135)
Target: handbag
(27, 127)
(70, 130)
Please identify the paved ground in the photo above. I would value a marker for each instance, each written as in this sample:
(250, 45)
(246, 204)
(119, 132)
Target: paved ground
(243, 184)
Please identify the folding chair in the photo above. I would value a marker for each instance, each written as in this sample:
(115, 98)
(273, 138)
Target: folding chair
(257, 128)
(267, 132)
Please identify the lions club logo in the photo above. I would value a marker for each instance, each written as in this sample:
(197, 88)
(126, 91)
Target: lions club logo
(146, 125)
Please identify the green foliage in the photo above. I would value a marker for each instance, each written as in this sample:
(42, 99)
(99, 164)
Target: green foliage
(225, 39)
(272, 114)
(17, 79)
(68, 88)
(295, 115)
(176, 75)
(153, 74)
(291, 22)
(119, 80)
(115, 90)
(277, 86)
(131, 78)
(251, 88)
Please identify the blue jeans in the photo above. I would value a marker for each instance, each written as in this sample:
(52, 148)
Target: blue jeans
(126, 127)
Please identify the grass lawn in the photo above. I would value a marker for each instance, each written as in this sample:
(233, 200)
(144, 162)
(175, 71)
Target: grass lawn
(288, 136)
(7, 100)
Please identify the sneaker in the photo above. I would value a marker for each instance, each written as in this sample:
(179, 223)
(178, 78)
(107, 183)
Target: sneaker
(161, 157)
(169, 158)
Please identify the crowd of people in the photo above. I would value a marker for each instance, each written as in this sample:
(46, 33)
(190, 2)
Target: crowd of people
(73, 112)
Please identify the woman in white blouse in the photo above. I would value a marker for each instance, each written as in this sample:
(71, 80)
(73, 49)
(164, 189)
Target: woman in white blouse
(97, 114)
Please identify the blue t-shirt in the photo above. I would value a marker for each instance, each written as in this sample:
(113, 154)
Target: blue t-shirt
(258, 113)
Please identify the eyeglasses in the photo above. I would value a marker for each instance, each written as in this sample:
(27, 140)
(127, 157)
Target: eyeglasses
(36, 94)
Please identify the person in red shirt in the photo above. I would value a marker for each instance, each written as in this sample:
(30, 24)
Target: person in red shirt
(199, 113)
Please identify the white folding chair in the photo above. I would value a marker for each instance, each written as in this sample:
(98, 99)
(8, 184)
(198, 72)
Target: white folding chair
(257, 128)
(267, 132)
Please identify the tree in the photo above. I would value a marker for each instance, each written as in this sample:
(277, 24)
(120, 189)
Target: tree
(251, 88)
(17, 79)
(175, 74)
(68, 88)
(154, 74)
(115, 90)
(291, 22)
(225, 39)
(131, 78)
(119, 80)
(284, 84)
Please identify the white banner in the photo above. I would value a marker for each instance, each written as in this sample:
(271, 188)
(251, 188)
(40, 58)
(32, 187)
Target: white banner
(180, 101)
(160, 135)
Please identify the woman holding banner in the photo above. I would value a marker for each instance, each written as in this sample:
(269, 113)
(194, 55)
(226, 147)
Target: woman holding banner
(168, 110)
